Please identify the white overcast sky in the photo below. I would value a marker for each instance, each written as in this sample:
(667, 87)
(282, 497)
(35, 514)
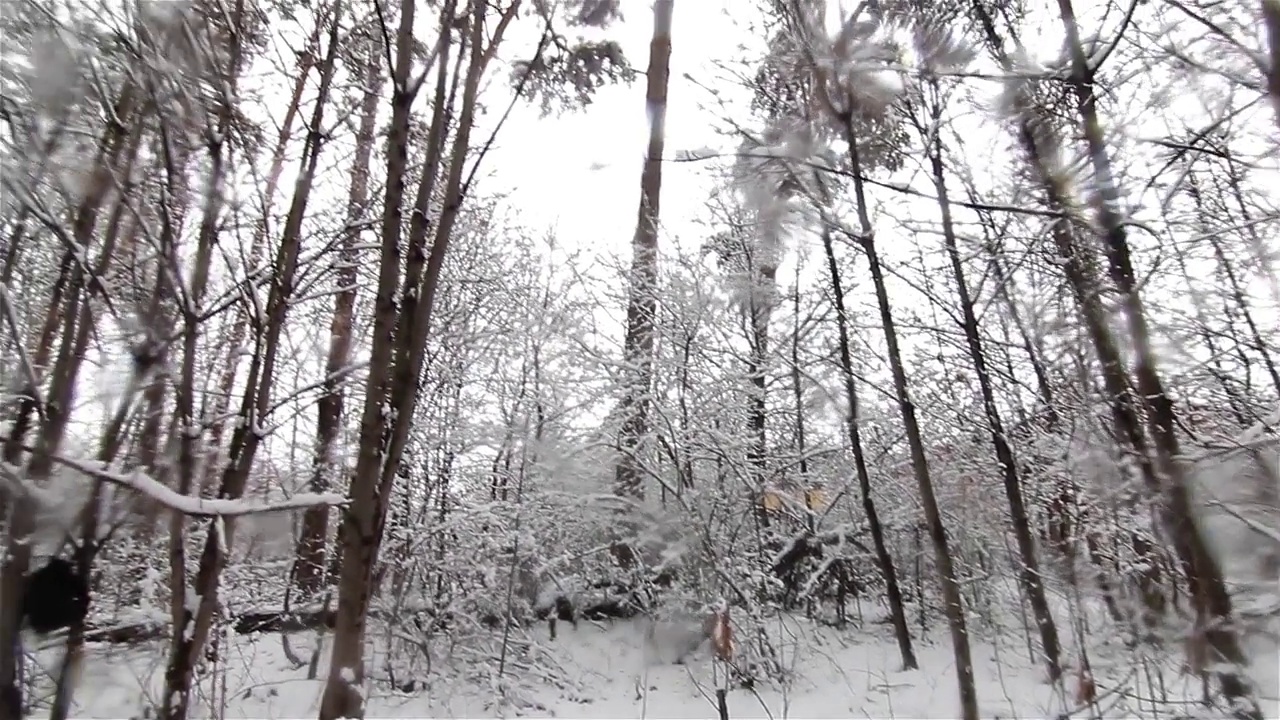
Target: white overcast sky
(579, 172)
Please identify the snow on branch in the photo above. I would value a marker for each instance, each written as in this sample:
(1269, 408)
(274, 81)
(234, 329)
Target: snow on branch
(1258, 436)
(144, 484)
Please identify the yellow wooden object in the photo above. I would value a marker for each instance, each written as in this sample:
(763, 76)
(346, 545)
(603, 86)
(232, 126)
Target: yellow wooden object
(815, 499)
(772, 500)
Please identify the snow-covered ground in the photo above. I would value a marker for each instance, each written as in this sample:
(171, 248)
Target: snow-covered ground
(602, 671)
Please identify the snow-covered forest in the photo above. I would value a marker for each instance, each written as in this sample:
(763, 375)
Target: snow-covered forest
(940, 379)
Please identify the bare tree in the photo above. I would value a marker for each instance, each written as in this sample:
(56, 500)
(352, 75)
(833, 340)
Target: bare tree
(897, 611)
(1209, 595)
(116, 146)
(314, 533)
(1161, 468)
(929, 127)
(402, 316)
(193, 626)
(846, 110)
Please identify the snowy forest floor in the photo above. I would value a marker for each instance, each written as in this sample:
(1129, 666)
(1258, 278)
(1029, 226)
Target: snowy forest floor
(599, 670)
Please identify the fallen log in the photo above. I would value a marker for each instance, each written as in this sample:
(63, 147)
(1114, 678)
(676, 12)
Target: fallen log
(126, 634)
(312, 618)
(296, 620)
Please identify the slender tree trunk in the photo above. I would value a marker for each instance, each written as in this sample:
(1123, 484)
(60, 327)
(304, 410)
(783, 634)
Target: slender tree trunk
(949, 581)
(315, 521)
(760, 308)
(57, 402)
(113, 433)
(1238, 296)
(797, 386)
(257, 246)
(158, 316)
(1079, 267)
(112, 442)
(196, 624)
(686, 389)
(1239, 406)
(1005, 289)
(401, 327)
(1214, 365)
(1261, 249)
(1029, 576)
(184, 425)
(884, 559)
(643, 303)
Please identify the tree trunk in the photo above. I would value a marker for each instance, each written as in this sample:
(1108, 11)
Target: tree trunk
(194, 625)
(1227, 268)
(1030, 572)
(1004, 283)
(897, 611)
(111, 440)
(315, 520)
(57, 403)
(1209, 594)
(1259, 246)
(760, 307)
(1079, 268)
(1239, 406)
(401, 329)
(1271, 21)
(797, 386)
(951, 595)
(240, 322)
(643, 303)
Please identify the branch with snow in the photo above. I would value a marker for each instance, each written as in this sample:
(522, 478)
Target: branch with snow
(187, 505)
(1249, 523)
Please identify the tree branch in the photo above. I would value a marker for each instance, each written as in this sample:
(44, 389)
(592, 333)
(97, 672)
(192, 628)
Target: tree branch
(140, 482)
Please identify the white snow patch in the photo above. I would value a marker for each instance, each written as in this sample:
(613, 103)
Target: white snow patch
(610, 671)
